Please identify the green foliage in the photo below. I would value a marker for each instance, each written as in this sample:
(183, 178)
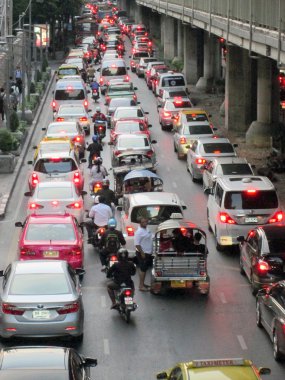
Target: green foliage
(38, 75)
(177, 64)
(32, 88)
(39, 87)
(7, 141)
(23, 125)
(44, 64)
(32, 104)
(14, 121)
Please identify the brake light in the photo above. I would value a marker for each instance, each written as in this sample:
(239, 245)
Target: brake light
(76, 251)
(101, 230)
(147, 72)
(76, 178)
(225, 218)
(132, 63)
(127, 78)
(149, 43)
(25, 251)
(53, 104)
(85, 103)
(35, 206)
(69, 308)
(98, 185)
(277, 217)
(167, 114)
(130, 231)
(262, 267)
(116, 153)
(8, 308)
(149, 153)
(113, 258)
(135, 97)
(77, 138)
(183, 140)
(75, 205)
(35, 179)
(283, 104)
(128, 293)
(84, 118)
(200, 161)
(101, 81)
(60, 119)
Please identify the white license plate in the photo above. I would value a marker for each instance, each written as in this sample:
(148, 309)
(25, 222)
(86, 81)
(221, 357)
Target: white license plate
(250, 220)
(41, 314)
(129, 301)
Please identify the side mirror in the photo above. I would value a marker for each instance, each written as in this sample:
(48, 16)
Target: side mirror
(159, 106)
(30, 162)
(184, 207)
(98, 69)
(44, 129)
(130, 56)
(214, 129)
(241, 239)
(35, 147)
(89, 362)
(79, 271)
(19, 224)
(128, 68)
(208, 191)
(146, 112)
(138, 102)
(187, 91)
(28, 194)
(83, 192)
(135, 88)
(119, 208)
(264, 371)
(153, 141)
(83, 160)
(253, 166)
(1, 273)
(110, 143)
(89, 110)
(150, 125)
(161, 375)
(188, 146)
(235, 145)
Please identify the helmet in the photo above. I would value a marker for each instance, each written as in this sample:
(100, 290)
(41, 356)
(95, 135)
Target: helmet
(97, 199)
(98, 109)
(102, 199)
(112, 223)
(106, 182)
(97, 160)
(123, 254)
(95, 138)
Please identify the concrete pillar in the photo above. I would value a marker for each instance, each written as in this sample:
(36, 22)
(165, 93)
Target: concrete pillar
(169, 38)
(138, 14)
(238, 95)
(132, 9)
(180, 40)
(206, 81)
(154, 25)
(261, 130)
(192, 54)
(127, 5)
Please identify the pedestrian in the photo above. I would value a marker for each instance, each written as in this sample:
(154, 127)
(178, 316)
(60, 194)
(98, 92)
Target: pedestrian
(13, 99)
(18, 77)
(143, 245)
(2, 94)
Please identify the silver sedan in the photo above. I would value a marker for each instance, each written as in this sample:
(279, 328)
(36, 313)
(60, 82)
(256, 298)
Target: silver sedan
(75, 112)
(41, 298)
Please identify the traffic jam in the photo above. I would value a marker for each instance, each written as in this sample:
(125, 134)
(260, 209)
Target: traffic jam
(96, 181)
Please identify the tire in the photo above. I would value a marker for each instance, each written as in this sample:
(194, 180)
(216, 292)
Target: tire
(242, 272)
(276, 349)
(209, 226)
(258, 314)
(127, 315)
(254, 288)
(175, 149)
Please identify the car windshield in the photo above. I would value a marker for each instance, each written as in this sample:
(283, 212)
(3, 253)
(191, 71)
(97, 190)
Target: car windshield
(63, 111)
(129, 127)
(243, 200)
(196, 117)
(54, 192)
(199, 129)
(61, 129)
(69, 94)
(217, 148)
(36, 284)
(121, 114)
(155, 214)
(51, 166)
(173, 81)
(113, 71)
(232, 168)
(68, 71)
(133, 143)
(50, 232)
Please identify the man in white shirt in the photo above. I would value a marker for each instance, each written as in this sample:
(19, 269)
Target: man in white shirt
(100, 213)
(143, 244)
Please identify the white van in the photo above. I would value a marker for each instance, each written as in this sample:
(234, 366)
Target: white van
(112, 69)
(170, 81)
(69, 91)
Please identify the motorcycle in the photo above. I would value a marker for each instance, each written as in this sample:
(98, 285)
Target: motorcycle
(100, 128)
(97, 186)
(95, 95)
(97, 236)
(125, 301)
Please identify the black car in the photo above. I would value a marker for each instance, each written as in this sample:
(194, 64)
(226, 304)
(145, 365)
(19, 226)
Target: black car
(270, 314)
(262, 256)
(45, 363)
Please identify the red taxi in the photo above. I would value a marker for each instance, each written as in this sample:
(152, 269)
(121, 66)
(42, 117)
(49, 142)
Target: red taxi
(55, 237)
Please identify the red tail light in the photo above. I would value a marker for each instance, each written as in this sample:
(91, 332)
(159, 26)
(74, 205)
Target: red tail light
(132, 63)
(262, 267)
(113, 258)
(84, 118)
(149, 43)
(127, 78)
(225, 218)
(130, 231)
(76, 178)
(35, 206)
(277, 217)
(53, 104)
(101, 81)
(135, 97)
(76, 251)
(167, 114)
(69, 308)
(101, 230)
(128, 293)
(149, 153)
(74, 206)
(147, 72)
(182, 140)
(26, 252)
(85, 103)
(35, 179)
(8, 308)
(200, 161)
(77, 139)
(60, 119)
(98, 185)
(117, 152)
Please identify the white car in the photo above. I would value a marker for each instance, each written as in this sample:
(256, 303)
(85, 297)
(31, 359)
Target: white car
(157, 207)
(68, 112)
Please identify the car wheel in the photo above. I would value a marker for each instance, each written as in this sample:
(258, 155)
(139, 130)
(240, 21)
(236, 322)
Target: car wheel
(175, 149)
(209, 226)
(276, 349)
(241, 266)
(258, 314)
(192, 175)
(254, 288)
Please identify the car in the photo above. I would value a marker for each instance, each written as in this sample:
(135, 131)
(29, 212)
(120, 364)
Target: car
(129, 126)
(224, 166)
(120, 90)
(170, 81)
(270, 314)
(54, 166)
(112, 69)
(75, 113)
(156, 206)
(47, 145)
(170, 94)
(262, 256)
(237, 204)
(148, 68)
(129, 112)
(154, 76)
(41, 299)
(141, 65)
(67, 69)
(190, 115)
(169, 110)
(56, 198)
(204, 150)
(70, 129)
(44, 363)
(136, 56)
(118, 102)
(133, 142)
(186, 134)
(51, 236)
(214, 369)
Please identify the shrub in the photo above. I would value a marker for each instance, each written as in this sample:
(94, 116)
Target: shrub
(14, 121)
(32, 88)
(7, 142)
(39, 87)
(44, 64)
(23, 125)
(38, 76)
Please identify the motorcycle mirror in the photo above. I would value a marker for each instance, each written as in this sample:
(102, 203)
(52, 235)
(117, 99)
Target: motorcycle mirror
(150, 125)
(18, 224)
(28, 194)
(153, 141)
(135, 88)
(1, 273)
(89, 362)
(30, 162)
(83, 160)
(161, 375)
(83, 192)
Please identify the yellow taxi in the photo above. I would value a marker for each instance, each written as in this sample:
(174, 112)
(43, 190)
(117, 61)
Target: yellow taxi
(214, 369)
(191, 115)
(54, 145)
(67, 69)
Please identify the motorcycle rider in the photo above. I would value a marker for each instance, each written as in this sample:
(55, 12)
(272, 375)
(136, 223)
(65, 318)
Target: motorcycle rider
(98, 115)
(107, 193)
(121, 272)
(94, 84)
(98, 172)
(90, 73)
(111, 242)
(99, 213)
(94, 149)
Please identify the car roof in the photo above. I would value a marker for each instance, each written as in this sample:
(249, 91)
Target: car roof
(176, 223)
(39, 266)
(69, 153)
(154, 198)
(214, 140)
(128, 108)
(193, 110)
(50, 218)
(230, 160)
(132, 136)
(242, 183)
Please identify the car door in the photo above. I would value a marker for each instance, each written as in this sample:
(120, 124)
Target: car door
(207, 175)
(177, 134)
(214, 206)
(273, 309)
(249, 252)
(191, 154)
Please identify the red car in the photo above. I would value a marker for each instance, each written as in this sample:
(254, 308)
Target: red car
(126, 126)
(56, 237)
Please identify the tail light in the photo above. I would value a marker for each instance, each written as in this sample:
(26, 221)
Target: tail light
(277, 217)
(84, 118)
(127, 293)
(149, 43)
(77, 139)
(200, 161)
(135, 97)
(117, 152)
(53, 104)
(98, 185)
(130, 231)
(85, 103)
(113, 258)
(76, 178)
(225, 218)
(149, 153)
(167, 114)
(132, 63)
(35, 206)
(283, 104)
(101, 230)
(35, 179)
(101, 81)
(127, 78)
(147, 72)
(76, 251)
(8, 308)
(107, 99)
(24, 251)
(60, 119)
(74, 206)
(69, 308)
(262, 267)
(182, 140)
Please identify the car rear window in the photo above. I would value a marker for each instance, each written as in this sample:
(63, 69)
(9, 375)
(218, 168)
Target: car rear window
(54, 166)
(124, 87)
(196, 117)
(218, 148)
(229, 169)
(243, 200)
(133, 143)
(155, 214)
(113, 71)
(71, 110)
(129, 113)
(120, 103)
(129, 128)
(50, 232)
(55, 193)
(173, 94)
(68, 71)
(173, 81)
(69, 94)
(199, 129)
(39, 284)
(61, 129)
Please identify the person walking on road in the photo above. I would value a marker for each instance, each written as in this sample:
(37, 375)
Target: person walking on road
(143, 245)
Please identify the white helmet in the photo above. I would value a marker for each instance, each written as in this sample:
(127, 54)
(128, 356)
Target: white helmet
(96, 199)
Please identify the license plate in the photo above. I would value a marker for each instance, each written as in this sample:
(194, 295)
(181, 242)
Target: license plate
(129, 301)
(250, 220)
(51, 254)
(178, 284)
(41, 314)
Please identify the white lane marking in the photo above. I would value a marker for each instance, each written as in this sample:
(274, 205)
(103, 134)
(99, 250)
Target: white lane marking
(223, 298)
(103, 301)
(106, 347)
(174, 185)
(242, 342)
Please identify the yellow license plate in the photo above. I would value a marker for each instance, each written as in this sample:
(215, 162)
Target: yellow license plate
(178, 284)
(51, 254)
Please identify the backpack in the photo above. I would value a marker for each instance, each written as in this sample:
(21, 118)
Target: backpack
(112, 242)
